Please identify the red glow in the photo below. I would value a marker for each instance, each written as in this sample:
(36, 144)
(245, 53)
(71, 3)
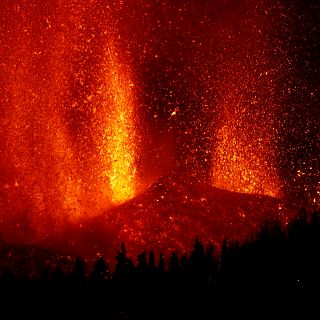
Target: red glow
(100, 100)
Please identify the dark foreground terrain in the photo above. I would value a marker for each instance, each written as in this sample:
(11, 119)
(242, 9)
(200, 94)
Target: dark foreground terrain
(276, 271)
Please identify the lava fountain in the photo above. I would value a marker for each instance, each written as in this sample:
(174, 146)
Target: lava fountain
(68, 137)
(245, 157)
(118, 145)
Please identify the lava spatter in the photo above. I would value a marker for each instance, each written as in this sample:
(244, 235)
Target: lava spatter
(119, 137)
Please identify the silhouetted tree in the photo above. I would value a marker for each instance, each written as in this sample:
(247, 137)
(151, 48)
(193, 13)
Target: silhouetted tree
(161, 264)
(79, 269)
(211, 266)
(142, 262)
(100, 271)
(174, 264)
(151, 262)
(124, 264)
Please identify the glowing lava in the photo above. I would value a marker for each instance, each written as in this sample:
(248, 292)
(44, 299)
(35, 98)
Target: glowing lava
(118, 149)
(241, 159)
(68, 135)
(244, 159)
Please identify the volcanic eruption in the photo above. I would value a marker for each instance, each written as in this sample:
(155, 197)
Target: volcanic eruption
(152, 122)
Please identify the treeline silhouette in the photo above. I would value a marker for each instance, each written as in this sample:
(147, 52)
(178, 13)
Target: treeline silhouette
(279, 268)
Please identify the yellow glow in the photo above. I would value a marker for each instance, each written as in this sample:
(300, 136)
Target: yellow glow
(119, 134)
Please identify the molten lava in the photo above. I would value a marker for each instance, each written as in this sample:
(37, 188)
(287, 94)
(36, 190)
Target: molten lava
(118, 146)
(69, 140)
(241, 162)
(244, 159)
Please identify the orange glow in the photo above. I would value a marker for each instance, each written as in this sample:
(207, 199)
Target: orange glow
(247, 126)
(118, 148)
(36, 147)
(69, 137)
(240, 167)
(242, 161)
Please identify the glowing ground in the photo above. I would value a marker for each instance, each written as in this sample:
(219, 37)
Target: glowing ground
(169, 215)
